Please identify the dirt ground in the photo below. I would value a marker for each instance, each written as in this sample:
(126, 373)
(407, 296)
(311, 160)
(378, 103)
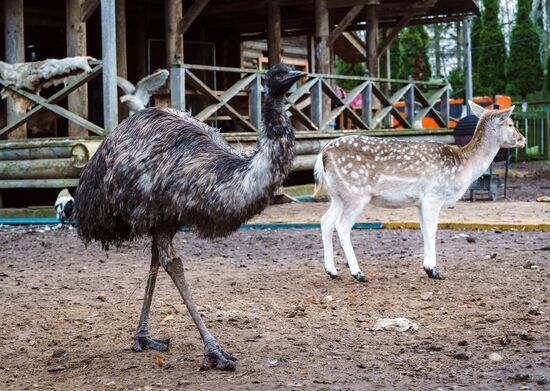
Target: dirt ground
(528, 180)
(68, 313)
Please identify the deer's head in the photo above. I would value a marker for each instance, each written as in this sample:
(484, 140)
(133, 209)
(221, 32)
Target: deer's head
(499, 124)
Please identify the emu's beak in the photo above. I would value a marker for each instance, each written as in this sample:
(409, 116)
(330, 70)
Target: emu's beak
(294, 76)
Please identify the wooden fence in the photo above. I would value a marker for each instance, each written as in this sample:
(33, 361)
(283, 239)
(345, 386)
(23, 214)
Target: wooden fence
(535, 126)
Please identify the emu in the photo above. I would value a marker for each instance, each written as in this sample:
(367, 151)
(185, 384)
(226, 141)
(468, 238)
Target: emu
(358, 170)
(161, 169)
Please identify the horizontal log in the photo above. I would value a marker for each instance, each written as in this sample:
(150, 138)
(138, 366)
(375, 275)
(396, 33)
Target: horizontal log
(37, 183)
(44, 142)
(82, 152)
(38, 169)
(35, 153)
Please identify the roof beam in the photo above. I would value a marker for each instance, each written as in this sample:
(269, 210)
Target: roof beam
(87, 9)
(344, 23)
(393, 34)
(190, 15)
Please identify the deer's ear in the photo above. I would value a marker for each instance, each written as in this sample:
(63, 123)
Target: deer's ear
(476, 109)
(503, 115)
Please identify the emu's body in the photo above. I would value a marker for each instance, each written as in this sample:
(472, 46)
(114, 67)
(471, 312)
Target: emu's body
(161, 169)
(359, 170)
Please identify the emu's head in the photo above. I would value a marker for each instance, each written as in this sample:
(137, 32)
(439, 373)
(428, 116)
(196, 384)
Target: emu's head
(499, 124)
(280, 78)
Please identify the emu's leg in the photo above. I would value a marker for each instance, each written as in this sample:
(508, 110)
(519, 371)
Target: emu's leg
(142, 340)
(214, 356)
(343, 227)
(328, 221)
(429, 212)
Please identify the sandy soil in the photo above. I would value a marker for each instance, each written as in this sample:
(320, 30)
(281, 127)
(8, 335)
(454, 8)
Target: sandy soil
(68, 313)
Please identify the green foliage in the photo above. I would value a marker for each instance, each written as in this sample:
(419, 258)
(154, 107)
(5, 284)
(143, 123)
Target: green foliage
(477, 26)
(491, 58)
(395, 58)
(456, 80)
(524, 68)
(548, 73)
(344, 68)
(413, 50)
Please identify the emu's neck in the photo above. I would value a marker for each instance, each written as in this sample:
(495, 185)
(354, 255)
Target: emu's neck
(478, 154)
(272, 161)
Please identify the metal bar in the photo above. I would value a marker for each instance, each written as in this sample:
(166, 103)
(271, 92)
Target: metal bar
(177, 87)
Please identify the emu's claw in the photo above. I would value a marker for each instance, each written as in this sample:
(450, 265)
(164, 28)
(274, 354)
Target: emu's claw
(434, 273)
(217, 358)
(146, 342)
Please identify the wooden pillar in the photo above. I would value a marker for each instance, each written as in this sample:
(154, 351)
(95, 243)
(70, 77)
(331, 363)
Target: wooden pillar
(372, 41)
(76, 46)
(15, 52)
(108, 46)
(467, 63)
(138, 42)
(273, 32)
(121, 51)
(322, 58)
(173, 13)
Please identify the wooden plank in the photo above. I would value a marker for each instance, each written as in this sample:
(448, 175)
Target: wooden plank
(14, 34)
(274, 32)
(389, 108)
(255, 102)
(190, 16)
(121, 52)
(389, 38)
(173, 15)
(322, 29)
(409, 104)
(76, 46)
(177, 87)
(37, 183)
(429, 105)
(73, 85)
(366, 103)
(344, 104)
(372, 41)
(87, 8)
(317, 103)
(467, 63)
(344, 24)
(108, 45)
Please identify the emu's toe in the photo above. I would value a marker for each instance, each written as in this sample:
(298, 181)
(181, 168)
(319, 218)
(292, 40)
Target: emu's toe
(147, 342)
(359, 276)
(434, 273)
(217, 358)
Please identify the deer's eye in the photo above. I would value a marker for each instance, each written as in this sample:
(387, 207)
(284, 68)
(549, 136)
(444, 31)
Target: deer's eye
(510, 125)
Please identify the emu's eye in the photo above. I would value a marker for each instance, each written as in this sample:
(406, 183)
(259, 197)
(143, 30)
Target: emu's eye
(278, 76)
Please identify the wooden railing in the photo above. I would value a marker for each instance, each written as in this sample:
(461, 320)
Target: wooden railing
(317, 103)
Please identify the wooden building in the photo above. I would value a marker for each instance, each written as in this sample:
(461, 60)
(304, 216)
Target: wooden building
(215, 50)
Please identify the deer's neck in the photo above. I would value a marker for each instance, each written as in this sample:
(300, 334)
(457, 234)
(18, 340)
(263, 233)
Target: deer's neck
(478, 154)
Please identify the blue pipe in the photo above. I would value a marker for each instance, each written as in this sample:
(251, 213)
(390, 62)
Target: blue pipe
(265, 226)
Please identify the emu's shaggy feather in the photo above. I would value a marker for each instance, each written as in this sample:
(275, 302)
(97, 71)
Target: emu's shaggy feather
(161, 168)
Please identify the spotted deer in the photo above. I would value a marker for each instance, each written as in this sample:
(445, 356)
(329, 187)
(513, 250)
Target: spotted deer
(358, 170)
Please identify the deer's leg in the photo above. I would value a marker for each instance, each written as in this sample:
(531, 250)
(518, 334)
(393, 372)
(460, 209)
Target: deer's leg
(214, 356)
(142, 340)
(429, 212)
(344, 225)
(328, 222)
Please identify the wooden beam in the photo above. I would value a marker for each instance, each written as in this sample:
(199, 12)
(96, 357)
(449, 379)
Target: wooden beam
(344, 24)
(76, 46)
(273, 32)
(108, 46)
(87, 8)
(121, 51)
(190, 15)
(389, 38)
(322, 58)
(372, 41)
(14, 32)
(173, 14)
(467, 63)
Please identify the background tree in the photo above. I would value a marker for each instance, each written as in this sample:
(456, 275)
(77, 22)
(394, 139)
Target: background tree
(524, 67)
(413, 51)
(476, 50)
(344, 68)
(492, 53)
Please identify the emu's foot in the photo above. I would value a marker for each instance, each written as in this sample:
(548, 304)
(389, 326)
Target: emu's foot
(217, 358)
(434, 273)
(359, 276)
(145, 342)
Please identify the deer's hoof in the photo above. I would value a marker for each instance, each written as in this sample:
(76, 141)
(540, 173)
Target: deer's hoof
(434, 273)
(332, 275)
(360, 277)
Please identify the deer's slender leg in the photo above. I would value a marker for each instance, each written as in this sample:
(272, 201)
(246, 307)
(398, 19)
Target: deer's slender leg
(328, 222)
(429, 212)
(142, 340)
(344, 225)
(214, 356)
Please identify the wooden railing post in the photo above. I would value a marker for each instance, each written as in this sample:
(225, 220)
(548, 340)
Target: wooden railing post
(317, 104)
(177, 86)
(255, 103)
(444, 106)
(409, 105)
(366, 101)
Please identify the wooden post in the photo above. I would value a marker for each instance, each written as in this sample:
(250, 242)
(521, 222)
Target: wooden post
(108, 46)
(467, 63)
(15, 52)
(409, 103)
(322, 58)
(372, 41)
(366, 102)
(173, 13)
(444, 106)
(138, 40)
(121, 51)
(76, 46)
(177, 86)
(273, 32)
(317, 104)
(255, 103)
